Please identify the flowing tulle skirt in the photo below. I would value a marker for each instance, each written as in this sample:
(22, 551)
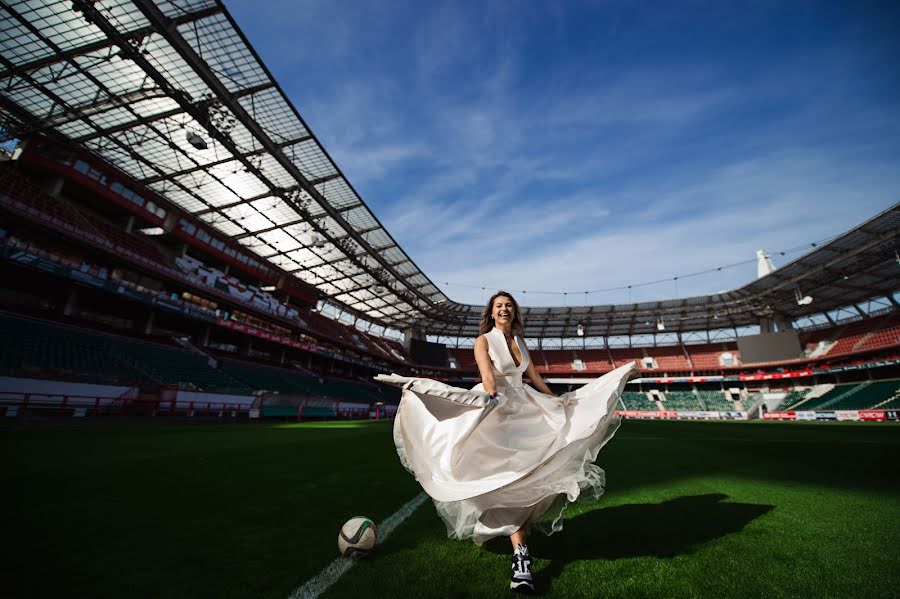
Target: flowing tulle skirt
(492, 468)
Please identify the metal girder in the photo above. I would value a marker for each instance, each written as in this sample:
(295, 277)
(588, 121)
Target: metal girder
(208, 165)
(349, 207)
(129, 125)
(277, 192)
(358, 232)
(145, 120)
(184, 49)
(96, 107)
(64, 55)
(325, 179)
(299, 221)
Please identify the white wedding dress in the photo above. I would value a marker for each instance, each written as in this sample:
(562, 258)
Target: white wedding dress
(493, 465)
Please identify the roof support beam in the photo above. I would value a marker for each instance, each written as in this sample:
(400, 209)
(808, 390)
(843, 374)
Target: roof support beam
(299, 221)
(137, 34)
(129, 125)
(93, 108)
(209, 165)
(325, 179)
(164, 25)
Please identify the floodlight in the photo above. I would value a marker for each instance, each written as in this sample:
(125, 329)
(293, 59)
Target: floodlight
(802, 300)
(196, 140)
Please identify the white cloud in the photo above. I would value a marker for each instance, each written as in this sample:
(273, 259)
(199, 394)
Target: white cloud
(498, 155)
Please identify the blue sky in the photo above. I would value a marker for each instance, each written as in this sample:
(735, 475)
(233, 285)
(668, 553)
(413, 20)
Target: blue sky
(574, 146)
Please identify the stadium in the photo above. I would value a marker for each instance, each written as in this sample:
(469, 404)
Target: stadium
(196, 301)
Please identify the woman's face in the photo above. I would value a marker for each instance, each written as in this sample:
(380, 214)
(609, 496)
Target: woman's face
(503, 310)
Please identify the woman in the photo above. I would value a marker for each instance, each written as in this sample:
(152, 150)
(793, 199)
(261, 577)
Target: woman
(497, 457)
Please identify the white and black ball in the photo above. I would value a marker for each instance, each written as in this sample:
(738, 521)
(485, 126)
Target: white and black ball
(357, 537)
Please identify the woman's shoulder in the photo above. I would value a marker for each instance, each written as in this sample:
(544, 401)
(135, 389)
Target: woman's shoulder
(484, 341)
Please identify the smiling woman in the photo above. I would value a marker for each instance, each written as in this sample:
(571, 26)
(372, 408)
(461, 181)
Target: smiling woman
(497, 457)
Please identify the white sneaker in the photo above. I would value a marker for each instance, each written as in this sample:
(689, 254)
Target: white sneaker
(521, 570)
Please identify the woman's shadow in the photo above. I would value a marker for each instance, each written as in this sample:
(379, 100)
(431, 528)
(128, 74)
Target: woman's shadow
(651, 529)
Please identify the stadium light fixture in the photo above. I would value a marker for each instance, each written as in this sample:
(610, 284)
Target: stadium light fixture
(196, 140)
(267, 288)
(152, 231)
(802, 300)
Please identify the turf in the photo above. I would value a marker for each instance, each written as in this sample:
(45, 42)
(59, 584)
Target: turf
(692, 510)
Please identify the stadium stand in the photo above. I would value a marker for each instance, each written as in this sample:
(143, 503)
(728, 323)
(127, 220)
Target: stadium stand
(681, 400)
(596, 360)
(152, 363)
(32, 348)
(854, 396)
(53, 350)
(669, 358)
(49, 350)
(465, 359)
(715, 400)
(709, 357)
(891, 404)
(624, 355)
(559, 360)
(634, 400)
(792, 398)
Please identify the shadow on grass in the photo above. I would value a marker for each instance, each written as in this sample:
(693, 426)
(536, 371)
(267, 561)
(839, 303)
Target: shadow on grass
(664, 529)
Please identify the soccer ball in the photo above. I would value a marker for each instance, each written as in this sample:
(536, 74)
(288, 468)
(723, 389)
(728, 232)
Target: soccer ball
(357, 537)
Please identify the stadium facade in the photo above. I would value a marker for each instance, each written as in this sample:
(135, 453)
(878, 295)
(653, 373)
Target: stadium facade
(173, 231)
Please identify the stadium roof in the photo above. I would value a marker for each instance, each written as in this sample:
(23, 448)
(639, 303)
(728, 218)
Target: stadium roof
(172, 93)
(851, 269)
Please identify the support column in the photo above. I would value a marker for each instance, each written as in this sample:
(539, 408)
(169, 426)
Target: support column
(71, 306)
(202, 338)
(54, 186)
(148, 324)
(412, 333)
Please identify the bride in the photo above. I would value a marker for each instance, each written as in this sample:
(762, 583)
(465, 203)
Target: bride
(497, 457)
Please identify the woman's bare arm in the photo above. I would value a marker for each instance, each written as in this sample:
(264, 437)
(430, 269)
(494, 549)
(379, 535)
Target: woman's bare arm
(536, 381)
(483, 359)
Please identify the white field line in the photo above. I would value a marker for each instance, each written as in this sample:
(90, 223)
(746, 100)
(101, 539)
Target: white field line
(317, 585)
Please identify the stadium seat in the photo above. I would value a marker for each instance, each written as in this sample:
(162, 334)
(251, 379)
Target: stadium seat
(715, 401)
(681, 400)
(634, 400)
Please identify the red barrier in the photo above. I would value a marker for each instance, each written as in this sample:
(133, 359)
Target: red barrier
(872, 415)
(780, 416)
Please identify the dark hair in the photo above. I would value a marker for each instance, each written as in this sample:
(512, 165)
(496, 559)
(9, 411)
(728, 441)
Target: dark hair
(487, 319)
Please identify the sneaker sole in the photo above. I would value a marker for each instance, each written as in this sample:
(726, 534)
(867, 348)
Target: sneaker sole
(522, 586)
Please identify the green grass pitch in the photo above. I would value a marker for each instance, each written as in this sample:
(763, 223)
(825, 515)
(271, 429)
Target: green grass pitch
(692, 509)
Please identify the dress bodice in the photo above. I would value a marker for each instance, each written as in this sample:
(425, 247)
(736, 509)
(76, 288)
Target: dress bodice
(506, 373)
